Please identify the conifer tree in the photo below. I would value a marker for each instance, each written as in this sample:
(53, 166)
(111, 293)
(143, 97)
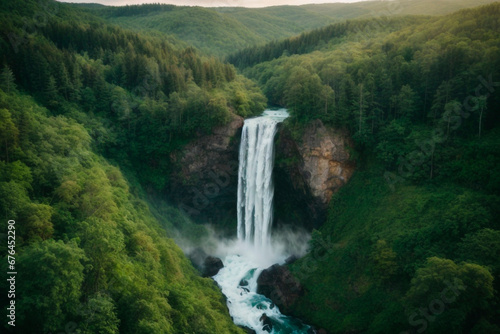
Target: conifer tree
(7, 79)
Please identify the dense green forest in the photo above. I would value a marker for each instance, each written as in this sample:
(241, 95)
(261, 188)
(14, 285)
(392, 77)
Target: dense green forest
(141, 97)
(81, 103)
(91, 114)
(420, 97)
(397, 86)
(223, 30)
(91, 256)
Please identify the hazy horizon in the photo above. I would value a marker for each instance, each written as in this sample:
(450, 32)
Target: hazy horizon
(214, 3)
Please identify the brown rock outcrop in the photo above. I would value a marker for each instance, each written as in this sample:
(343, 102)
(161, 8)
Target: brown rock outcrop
(325, 160)
(308, 171)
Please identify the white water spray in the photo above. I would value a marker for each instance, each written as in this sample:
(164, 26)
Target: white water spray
(254, 251)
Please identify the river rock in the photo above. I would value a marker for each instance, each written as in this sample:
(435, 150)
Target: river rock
(211, 266)
(267, 324)
(309, 168)
(291, 259)
(207, 265)
(278, 284)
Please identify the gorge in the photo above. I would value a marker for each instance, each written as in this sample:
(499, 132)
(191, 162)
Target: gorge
(309, 169)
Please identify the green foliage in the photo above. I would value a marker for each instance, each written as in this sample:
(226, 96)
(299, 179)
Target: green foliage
(450, 292)
(37, 222)
(385, 260)
(52, 277)
(90, 251)
(9, 133)
(471, 282)
(397, 86)
(223, 30)
(385, 245)
(140, 96)
(211, 32)
(100, 316)
(482, 247)
(7, 79)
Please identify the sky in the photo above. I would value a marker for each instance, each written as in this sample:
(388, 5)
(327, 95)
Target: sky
(211, 3)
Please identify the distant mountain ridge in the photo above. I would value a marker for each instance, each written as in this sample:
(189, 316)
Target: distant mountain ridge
(224, 30)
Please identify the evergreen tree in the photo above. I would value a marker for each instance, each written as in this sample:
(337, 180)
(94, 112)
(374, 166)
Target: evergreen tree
(7, 80)
(50, 93)
(8, 133)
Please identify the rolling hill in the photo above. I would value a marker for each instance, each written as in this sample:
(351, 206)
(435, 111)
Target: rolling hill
(224, 30)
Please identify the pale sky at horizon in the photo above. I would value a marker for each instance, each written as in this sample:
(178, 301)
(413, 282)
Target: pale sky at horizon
(212, 3)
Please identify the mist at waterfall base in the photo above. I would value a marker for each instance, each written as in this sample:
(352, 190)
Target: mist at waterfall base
(255, 248)
(238, 281)
(242, 258)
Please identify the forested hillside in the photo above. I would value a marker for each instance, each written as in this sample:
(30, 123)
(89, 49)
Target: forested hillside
(140, 97)
(215, 31)
(82, 102)
(376, 9)
(420, 97)
(91, 256)
(224, 30)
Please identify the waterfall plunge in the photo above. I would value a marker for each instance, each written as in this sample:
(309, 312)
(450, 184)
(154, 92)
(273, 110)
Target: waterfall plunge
(255, 183)
(253, 251)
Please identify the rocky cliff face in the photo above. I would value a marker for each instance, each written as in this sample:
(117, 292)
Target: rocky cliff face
(206, 181)
(309, 171)
(325, 163)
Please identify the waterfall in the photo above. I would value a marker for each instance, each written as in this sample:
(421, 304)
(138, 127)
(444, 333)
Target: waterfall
(255, 182)
(253, 252)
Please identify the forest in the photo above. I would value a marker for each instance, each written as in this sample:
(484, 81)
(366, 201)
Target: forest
(419, 96)
(95, 101)
(89, 114)
(220, 31)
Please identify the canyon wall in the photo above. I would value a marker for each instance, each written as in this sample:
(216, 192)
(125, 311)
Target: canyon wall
(309, 168)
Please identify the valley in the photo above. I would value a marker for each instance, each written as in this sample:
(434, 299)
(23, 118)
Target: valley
(354, 144)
